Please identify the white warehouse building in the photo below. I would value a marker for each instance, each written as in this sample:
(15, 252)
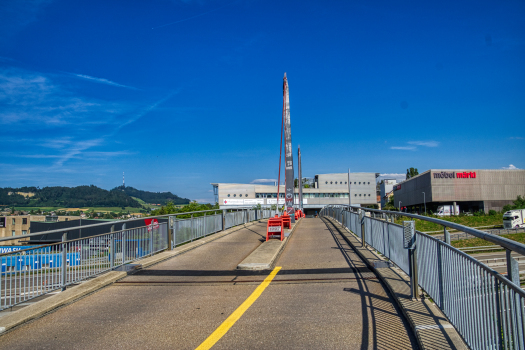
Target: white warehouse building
(327, 189)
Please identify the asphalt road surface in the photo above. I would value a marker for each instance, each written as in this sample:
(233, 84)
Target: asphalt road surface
(324, 297)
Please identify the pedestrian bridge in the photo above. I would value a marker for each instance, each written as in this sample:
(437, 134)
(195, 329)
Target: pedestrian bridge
(340, 281)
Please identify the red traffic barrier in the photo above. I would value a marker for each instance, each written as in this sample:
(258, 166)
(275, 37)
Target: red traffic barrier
(287, 220)
(275, 228)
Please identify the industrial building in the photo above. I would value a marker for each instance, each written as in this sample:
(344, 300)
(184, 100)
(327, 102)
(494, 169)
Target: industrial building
(473, 190)
(326, 189)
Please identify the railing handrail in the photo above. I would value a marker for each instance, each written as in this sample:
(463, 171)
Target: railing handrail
(502, 241)
(11, 238)
(73, 240)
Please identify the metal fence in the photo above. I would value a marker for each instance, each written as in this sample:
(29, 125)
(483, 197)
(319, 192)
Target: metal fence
(29, 273)
(33, 272)
(485, 307)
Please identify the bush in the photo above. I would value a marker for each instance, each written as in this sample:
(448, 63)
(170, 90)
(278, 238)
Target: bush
(492, 212)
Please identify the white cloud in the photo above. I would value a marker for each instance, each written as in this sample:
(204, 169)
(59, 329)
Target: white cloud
(424, 143)
(517, 138)
(510, 167)
(404, 148)
(395, 176)
(103, 81)
(261, 181)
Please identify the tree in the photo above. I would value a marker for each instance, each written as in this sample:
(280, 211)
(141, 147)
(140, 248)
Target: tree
(519, 203)
(411, 173)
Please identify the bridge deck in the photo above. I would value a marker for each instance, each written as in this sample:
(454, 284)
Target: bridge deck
(323, 297)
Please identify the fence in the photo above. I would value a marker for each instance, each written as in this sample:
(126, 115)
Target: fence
(29, 273)
(486, 308)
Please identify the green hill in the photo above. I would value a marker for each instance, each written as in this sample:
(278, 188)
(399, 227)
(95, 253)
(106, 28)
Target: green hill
(153, 197)
(83, 196)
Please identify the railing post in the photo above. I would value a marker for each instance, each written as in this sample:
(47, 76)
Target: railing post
(223, 219)
(362, 222)
(191, 232)
(446, 235)
(124, 244)
(170, 232)
(409, 242)
(151, 239)
(204, 224)
(64, 260)
(112, 251)
(513, 270)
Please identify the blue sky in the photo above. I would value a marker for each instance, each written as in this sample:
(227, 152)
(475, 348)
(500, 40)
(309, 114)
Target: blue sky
(179, 94)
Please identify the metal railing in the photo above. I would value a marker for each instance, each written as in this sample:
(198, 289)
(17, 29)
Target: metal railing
(485, 307)
(29, 273)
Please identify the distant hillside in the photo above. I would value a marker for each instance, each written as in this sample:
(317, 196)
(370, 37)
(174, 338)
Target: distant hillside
(66, 197)
(153, 197)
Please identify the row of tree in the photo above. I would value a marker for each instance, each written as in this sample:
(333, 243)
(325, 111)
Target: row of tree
(81, 196)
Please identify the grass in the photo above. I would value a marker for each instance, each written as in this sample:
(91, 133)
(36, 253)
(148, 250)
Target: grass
(478, 242)
(469, 221)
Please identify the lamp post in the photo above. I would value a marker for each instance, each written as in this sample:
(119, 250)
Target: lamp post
(424, 201)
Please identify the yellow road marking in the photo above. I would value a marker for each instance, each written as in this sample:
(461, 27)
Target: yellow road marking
(234, 317)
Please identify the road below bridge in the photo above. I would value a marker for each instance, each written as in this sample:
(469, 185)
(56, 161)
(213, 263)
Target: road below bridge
(324, 297)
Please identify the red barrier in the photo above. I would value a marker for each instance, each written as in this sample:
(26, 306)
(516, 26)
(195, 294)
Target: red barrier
(275, 228)
(287, 220)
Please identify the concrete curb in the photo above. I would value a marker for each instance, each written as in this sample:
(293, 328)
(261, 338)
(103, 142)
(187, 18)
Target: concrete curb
(165, 255)
(265, 256)
(426, 320)
(73, 294)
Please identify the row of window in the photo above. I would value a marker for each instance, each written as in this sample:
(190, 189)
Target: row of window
(305, 195)
(24, 232)
(24, 221)
(341, 182)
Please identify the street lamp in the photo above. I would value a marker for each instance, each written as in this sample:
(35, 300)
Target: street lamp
(424, 201)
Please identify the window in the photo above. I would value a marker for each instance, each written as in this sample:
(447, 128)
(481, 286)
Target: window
(369, 182)
(235, 195)
(24, 232)
(355, 183)
(13, 221)
(331, 182)
(246, 195)
(359, 194)
(24, 221)
(346, 183)
(13, 233)
(360, 182)
(326, 182)
(341, 182)
(355, 195)
(228, 194)
(369, 195)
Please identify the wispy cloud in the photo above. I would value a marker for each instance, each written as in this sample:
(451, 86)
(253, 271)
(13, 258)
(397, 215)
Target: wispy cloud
(424, 143)
(516, 138)
(404, 148)
(145, 110)
(102, 81)
(260, 181)
(510, 167)
(29, 98)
